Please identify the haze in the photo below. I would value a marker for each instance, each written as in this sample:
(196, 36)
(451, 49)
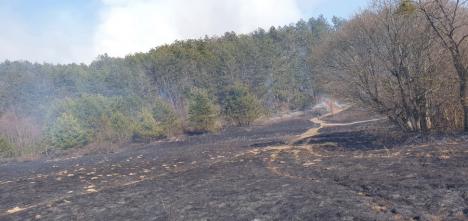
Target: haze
(56, 31)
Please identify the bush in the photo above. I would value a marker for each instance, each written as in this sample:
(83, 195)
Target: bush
(169, 121)
(239, 106)
(67, 132)
(6, 149)
(87, 109)
(203, 113)
(147, 128)
(116, 128)
(301, 101)
(115, 120)
(21, 135)
(128, 105)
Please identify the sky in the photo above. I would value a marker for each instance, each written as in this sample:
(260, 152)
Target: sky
(77, 31)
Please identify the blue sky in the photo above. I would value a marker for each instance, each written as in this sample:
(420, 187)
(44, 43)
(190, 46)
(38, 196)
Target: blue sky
(330, 8)
(64, 31)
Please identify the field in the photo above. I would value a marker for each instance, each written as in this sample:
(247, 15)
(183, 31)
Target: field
(350, 167)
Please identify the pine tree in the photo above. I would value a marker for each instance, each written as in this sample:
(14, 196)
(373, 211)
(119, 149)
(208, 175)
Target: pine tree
(203, 114)
(240, 106)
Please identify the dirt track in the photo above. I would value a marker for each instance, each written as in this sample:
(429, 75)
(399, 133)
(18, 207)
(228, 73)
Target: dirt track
(342, 173)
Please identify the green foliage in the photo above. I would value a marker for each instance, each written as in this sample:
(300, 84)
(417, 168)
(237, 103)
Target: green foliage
(301, 101)
(105, 98)
(116, 119)
(115, 128)
(88, 109)
(240, 106)
(165, 114)
(67, 132)
(406, 7)
(147, 128)
(203, 113)
(276, 58)
(6, 149)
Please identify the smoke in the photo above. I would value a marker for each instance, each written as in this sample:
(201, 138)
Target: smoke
(128, 26)
(78, 32)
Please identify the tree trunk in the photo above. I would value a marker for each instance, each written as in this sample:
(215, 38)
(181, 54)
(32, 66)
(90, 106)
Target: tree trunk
(463, 76)
(464, 97)
(423, 119)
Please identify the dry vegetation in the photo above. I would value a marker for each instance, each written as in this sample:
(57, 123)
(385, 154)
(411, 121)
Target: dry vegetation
(407, 60)
(19, 136)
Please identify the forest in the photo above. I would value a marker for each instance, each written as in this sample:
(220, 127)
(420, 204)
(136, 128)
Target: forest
(192, 86)
(407, 60)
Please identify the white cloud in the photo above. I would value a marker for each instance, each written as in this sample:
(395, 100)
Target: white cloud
(128, 26)
(64, 35)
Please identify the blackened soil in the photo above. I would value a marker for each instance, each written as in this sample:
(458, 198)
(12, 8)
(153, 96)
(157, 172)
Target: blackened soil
(354, 172)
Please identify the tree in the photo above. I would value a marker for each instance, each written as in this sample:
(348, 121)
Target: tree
(147, 128)
(406, 7)
(388, 61)
(240, 106)
(165, 114)
(6, 149)
(67, 132)
(449, 21)
(202, 114)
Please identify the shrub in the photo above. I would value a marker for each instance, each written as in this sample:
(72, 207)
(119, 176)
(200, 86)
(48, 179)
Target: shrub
(301, 101)
(87, 109)
(115, 128)
(6, 149)
(128, 105)
(147, 128)
(203, 113)
(67, 132)
(21, 135)
(169, 121)
(240, 106)
(115, 120)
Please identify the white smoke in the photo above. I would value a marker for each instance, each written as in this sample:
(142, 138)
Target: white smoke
(138, 25)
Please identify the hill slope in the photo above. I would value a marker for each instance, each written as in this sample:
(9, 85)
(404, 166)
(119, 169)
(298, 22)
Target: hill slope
(341, 173)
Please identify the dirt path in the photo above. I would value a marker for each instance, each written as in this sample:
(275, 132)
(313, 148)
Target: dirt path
(280, 171)
(315, 130)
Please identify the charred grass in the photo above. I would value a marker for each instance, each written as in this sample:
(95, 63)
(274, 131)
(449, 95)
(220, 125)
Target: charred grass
(358, 172)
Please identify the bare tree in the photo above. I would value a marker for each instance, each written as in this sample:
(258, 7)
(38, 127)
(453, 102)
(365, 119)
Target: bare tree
(387, 60)
(449, 21)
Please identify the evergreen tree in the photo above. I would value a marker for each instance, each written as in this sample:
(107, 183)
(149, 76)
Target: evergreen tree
(67, 132)
(203, 114)
(240, 106)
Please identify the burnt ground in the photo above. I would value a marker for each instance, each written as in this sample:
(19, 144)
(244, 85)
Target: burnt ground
(353, 172)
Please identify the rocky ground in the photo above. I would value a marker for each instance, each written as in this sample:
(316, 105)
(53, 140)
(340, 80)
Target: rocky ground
(273, 171)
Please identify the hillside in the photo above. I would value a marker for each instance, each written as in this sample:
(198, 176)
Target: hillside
(269, 70)
(253, 173)
(363, 118)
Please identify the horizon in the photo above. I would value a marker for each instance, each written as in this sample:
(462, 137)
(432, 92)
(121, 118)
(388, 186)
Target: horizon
(65, 32)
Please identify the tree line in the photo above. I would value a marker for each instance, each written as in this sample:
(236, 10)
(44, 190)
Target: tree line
(191, 86)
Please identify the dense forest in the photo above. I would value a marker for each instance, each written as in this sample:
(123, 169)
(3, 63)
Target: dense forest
(191, 86)
(407, 60)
